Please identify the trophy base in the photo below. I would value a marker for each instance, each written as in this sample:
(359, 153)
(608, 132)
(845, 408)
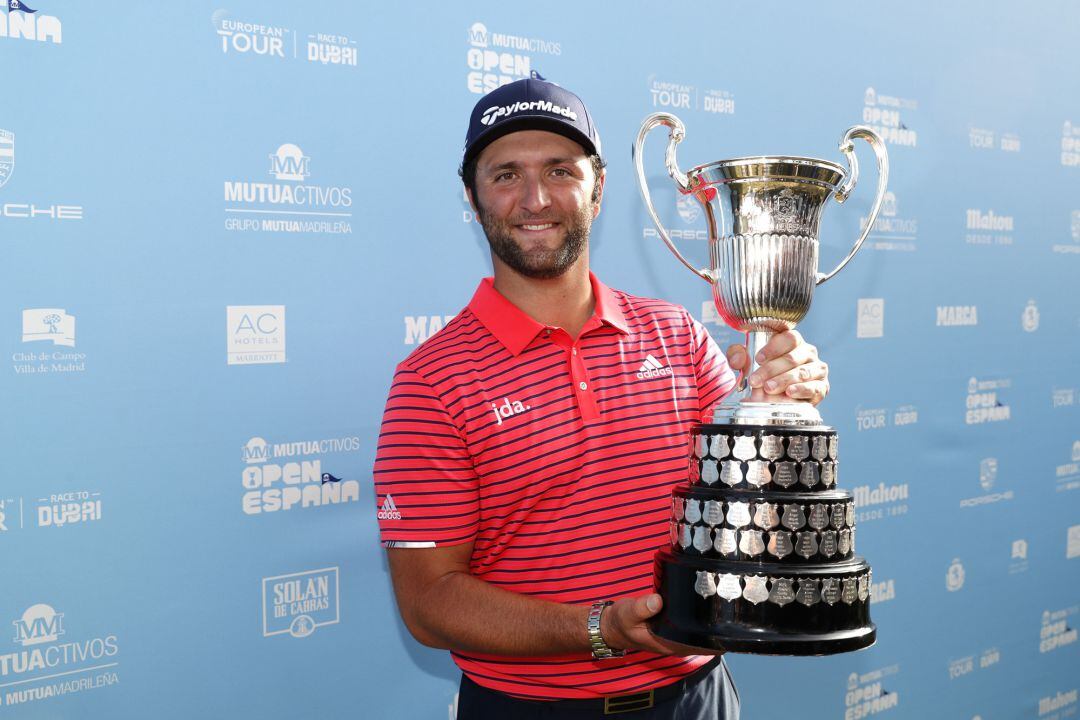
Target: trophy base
(801, 415)
(776, 609)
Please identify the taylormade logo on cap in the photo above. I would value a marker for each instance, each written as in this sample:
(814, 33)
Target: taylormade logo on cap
(495, 113)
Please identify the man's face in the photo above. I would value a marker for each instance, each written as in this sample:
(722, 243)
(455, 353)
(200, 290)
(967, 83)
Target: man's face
(534, 199)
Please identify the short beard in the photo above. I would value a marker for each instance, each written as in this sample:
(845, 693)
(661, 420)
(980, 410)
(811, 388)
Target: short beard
(539, 265)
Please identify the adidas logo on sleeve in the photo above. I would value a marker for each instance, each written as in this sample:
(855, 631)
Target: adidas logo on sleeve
(389, 510)
(652, 368)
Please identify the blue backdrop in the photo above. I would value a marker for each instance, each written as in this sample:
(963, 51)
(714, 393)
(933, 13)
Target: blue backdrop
(182, 183)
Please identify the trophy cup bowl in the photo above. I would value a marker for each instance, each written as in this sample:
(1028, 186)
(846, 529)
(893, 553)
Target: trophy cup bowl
(762, 553)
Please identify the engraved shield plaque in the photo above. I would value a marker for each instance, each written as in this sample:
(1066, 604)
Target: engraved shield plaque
(728, 586)
(782, 592)
(705, 585)
(755, 590)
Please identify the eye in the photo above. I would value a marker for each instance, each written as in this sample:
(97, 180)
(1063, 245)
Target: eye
(503, 176)
(561, 172)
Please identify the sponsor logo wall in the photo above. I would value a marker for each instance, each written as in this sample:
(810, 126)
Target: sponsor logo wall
(173, 512)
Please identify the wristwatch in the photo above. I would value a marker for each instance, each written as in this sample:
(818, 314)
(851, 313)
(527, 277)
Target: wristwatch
(600, 649)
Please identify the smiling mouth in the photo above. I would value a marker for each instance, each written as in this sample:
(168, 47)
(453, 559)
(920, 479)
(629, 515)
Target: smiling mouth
(537, 227)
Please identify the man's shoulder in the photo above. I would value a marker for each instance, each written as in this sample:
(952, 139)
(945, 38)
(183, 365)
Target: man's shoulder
(649, 309)
(453, 338)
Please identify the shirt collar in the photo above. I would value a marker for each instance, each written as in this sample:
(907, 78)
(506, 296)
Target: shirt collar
(515, 330)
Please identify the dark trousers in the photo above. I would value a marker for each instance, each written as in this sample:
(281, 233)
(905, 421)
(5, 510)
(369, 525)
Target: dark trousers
(710, 696)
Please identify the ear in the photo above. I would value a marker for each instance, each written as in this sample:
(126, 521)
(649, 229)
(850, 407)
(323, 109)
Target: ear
(472, 203)
(600, 193)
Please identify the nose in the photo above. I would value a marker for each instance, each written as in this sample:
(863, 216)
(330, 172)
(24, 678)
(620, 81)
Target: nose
(535, 197)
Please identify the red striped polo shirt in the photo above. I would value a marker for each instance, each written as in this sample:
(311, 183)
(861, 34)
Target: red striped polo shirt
(555, 457)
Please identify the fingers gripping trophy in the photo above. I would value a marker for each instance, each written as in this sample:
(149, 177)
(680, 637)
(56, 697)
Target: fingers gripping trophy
(762, 555)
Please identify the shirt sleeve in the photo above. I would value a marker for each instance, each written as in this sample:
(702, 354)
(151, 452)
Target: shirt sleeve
(426, 488)
(714, 376)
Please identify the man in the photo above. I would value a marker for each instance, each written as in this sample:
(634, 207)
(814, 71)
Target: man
(529, 449)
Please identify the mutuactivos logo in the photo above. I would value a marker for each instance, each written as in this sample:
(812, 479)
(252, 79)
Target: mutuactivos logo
(496, 112)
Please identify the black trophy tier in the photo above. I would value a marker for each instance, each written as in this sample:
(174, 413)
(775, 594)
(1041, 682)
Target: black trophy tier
(762, 557)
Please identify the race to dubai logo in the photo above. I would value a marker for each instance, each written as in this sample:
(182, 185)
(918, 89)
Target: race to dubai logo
(680, 96)
(21, 22)
(241, 37)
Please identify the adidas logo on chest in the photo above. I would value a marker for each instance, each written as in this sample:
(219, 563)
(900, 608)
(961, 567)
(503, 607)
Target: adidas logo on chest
(653, 368)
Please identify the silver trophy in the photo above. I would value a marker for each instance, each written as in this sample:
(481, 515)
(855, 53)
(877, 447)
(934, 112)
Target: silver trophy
(762, 557)
(763, 215)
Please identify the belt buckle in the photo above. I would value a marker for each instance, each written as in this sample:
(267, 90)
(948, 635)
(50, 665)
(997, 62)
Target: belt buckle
(628, 703)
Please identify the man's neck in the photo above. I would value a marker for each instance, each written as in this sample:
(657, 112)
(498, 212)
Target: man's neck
(566, 301)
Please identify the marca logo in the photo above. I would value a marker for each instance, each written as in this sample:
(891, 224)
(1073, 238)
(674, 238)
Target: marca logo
(255, 334)
(496, 112)
(882, 591)
(22, 23)
(388, 510)
(39, 624)
(418, 328)
(652, 368)
(955, 315)
(298, 603)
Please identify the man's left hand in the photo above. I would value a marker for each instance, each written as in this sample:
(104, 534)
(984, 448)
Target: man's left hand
(788, 366)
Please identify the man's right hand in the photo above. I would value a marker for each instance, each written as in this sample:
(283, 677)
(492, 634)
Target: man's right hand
(624, 626)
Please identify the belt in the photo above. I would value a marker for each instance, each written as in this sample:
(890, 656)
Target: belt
(618, 704)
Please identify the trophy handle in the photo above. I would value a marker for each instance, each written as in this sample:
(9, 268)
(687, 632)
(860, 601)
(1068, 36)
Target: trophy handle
(848, 148)
(678, 132)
